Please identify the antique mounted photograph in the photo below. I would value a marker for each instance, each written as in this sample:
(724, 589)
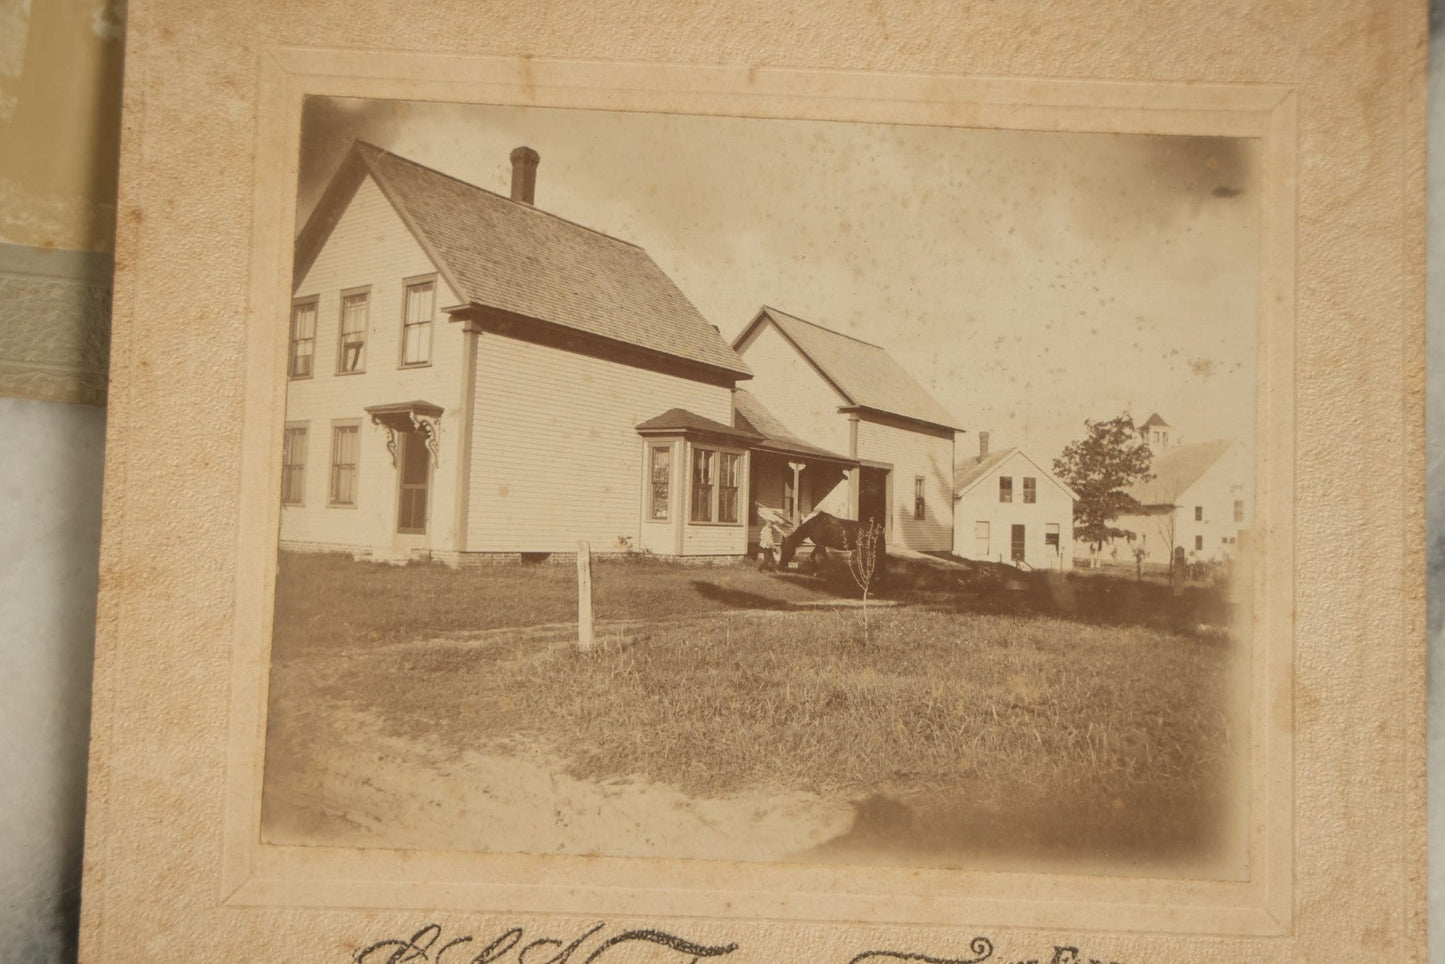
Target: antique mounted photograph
(790, 491)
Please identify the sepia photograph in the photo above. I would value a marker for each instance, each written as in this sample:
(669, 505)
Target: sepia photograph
(788, 491)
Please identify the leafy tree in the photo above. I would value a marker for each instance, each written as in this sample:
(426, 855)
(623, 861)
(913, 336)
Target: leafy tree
(1099, 467)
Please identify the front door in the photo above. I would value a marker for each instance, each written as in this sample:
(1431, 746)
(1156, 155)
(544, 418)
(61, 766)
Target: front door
(415, 479)
(873, 496)
(1017, 547)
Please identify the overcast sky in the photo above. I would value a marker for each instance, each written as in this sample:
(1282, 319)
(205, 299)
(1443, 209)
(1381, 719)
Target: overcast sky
(1030, 280)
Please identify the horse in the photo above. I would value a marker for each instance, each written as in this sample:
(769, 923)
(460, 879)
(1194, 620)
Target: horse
(828, 532)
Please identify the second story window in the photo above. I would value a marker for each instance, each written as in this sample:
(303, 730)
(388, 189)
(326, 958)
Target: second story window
(1005, 488)
(1031, 489)
(920, 507)
(1199, 513)
(416, 323)
(1238, 510)
(351, 352)
(303, 339)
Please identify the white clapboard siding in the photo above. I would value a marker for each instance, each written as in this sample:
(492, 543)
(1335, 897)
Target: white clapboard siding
(980, 503)
(1215, 535)
(913, 453)
(556, 456)
(371, 246)
(793, 391)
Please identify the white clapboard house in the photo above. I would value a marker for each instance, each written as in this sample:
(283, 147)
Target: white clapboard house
(852, 432)
(471, 376)
(1009, 508)
(1198, 507)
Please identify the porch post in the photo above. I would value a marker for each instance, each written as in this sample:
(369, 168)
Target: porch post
(797, 468)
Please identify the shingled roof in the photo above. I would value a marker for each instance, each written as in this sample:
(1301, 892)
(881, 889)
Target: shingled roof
(863, 373)
(970, 472)
(749, 414)
(1178, 468)
(503, 254)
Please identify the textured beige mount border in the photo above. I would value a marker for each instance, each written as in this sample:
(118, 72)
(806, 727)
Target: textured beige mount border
(1337, 851)
(262, 875)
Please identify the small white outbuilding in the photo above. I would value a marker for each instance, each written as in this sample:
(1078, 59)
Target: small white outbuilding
(1009, 508)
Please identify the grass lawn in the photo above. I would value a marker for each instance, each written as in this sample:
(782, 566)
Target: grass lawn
(1079, 715)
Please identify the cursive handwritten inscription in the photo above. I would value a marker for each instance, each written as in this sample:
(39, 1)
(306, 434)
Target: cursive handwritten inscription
(512, 946)
(418, 948)
(981, 947)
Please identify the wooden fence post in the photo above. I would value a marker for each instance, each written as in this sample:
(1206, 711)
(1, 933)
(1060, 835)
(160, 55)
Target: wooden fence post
(584, 597)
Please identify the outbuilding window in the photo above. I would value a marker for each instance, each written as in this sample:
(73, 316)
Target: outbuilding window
(920, 508)
(1051, 535)
(1238, 510)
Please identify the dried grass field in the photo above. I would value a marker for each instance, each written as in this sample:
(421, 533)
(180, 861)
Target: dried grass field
(1087, 719)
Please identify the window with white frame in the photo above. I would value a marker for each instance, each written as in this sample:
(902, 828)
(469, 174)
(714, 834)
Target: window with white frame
(730, 468)
(345, 462)
(660, 481)
(416, 325)
(920, 505)
(1005, 488)
(302, 357)
(1031, 489)
(980, 540)
(293, 465)
(351, 349)
(716, 481)
(1051, 535)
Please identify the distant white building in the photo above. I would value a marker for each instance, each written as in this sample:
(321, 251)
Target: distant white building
(1199, 505)
(1009, 508)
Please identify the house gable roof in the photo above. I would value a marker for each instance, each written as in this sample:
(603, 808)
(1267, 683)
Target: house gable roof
(864, 374)
(749, 414)
(509, 256)
(1176, 470)
(970, 473)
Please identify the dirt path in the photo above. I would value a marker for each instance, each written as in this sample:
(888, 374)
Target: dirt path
(340, 781)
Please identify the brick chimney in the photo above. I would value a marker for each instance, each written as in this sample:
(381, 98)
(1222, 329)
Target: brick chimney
(524, 174)
(982, 446)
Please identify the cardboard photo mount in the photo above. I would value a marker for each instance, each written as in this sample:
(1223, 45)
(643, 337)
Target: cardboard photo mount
(189, 563)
